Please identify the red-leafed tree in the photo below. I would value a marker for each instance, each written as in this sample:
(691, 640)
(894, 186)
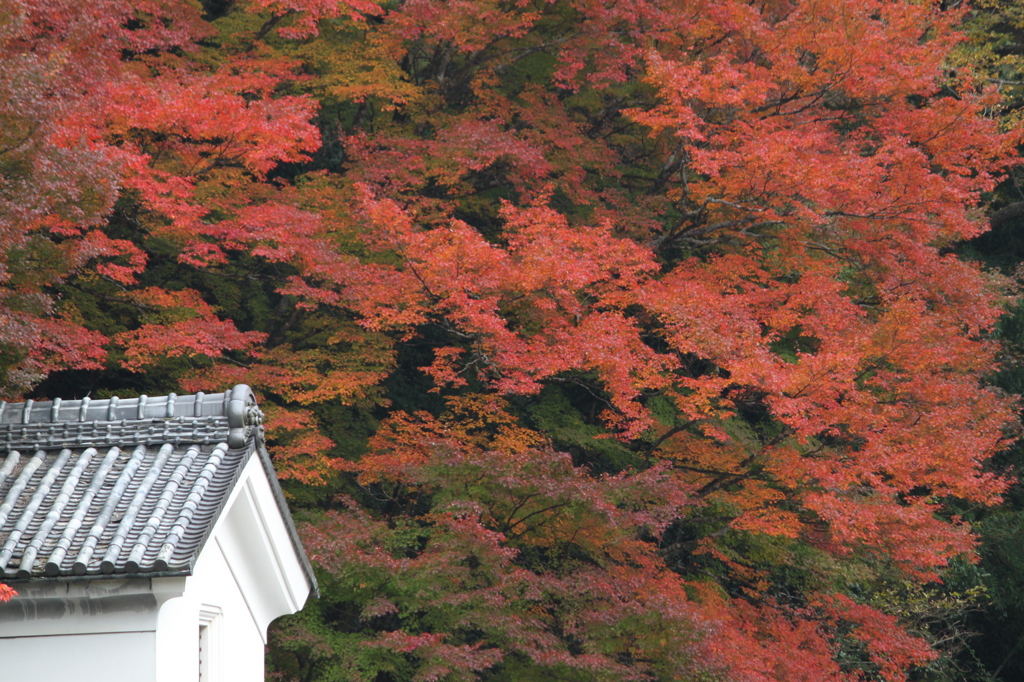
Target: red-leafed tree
(729, 224)
(647, 311)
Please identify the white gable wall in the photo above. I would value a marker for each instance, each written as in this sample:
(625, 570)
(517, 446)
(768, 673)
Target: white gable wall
(257, 544)
(248, 575)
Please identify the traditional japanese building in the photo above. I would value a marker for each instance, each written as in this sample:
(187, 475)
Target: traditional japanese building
(147, 538)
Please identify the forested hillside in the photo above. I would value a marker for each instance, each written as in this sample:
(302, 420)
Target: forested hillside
(598, 339)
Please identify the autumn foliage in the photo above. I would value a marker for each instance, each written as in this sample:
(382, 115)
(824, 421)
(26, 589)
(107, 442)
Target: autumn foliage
(621, 340)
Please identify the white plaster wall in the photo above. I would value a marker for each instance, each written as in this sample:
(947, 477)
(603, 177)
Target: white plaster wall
(110, 657)
(237, 647)
(83, 631)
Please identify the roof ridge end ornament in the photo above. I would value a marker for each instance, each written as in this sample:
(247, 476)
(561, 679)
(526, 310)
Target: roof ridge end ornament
(245, 419)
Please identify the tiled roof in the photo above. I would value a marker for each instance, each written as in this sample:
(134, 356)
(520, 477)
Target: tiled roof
(122, 486)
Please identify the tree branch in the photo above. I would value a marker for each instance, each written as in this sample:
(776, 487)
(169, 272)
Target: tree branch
(1006, 214)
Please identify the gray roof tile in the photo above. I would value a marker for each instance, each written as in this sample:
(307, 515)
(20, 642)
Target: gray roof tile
(122, 486)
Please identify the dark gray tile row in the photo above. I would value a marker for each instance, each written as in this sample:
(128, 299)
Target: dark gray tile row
(115, 409)
(120, 510)
(102, 434)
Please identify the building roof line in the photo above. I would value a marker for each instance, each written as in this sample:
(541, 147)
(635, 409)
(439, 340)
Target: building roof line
(148, 506)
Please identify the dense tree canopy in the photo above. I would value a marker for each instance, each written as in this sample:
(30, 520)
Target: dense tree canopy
(599, 339)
